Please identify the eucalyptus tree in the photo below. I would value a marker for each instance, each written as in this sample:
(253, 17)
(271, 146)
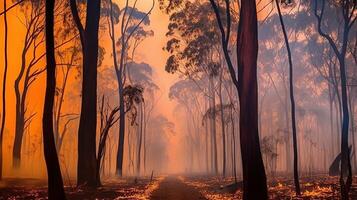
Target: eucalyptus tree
(254, 177)
(141, 74)
(131, 20)
(55, 183)
(34, 39)
(63, 120)
(192, 45)
(187, 95)
(87, 162)
(339, 47)
(292, 101)
(31, 55)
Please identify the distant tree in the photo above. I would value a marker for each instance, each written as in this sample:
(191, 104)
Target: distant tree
(31, 55)
(187, 95)
(107, 120)
(130, 23)
(141, 74)
(339, 47)
(193, 46)
(34, 39)
(292, 102)
(68, 65)
(55, 183)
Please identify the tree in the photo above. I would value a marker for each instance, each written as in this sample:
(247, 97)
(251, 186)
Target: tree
(194, 53)
(130, 23)
(107, 120)
(87, 162)
(292, 102)
(55, 183)
(31, 56)
(3, 116)
(349, 17)
(254, 178)
(141, 74)
(34, 38)
(67, 118)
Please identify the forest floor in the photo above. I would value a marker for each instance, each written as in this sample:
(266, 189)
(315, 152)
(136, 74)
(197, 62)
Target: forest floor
(126, 188)
(172, 188)
(177, 188)
(280, 188)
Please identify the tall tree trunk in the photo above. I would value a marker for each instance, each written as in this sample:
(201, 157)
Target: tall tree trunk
(213, 126)
(55, 183)
(120, 152)
(331, 122)
(222, 125)
(207, 139)
(138, 163)
(144, 138)
(234, 146)
(3, 116)
(287, 133)
(19, 118)
(119, 73)
(345, 159)
(292, 102)
(351, 106)
(87, 162)
(348, 21)
(254, 178)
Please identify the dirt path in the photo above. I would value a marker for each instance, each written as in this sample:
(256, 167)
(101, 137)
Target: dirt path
(174, 189)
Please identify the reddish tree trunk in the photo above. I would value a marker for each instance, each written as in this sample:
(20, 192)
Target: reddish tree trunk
(254, 178)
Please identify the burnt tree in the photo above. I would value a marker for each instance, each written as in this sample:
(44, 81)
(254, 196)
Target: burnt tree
(87, 161)
(55, 183)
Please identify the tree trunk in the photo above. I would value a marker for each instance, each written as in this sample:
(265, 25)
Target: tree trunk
(55, 183)
(234, 146)
(351, 106)
(138, 163)
(222, 125)
(292, 102)
(3, 116)
(213, 126)
(119, 73)
(331, 121)
(19, 132)
(87, 162)
(206, 140)
(345, 179)
(19, 118)
(254, 178)
(345, 159)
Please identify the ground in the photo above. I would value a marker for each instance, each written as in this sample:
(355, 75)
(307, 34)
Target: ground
(176, 188)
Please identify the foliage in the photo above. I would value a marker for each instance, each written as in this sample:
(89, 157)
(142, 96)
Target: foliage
(193, 41)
